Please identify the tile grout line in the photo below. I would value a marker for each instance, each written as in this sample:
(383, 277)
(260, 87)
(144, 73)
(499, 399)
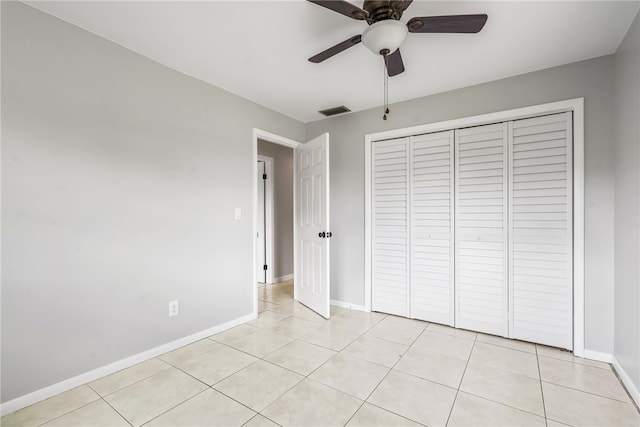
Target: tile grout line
(503, 404)
(208, 387)
(633, 402)
(173, 407)
(100, 397)
(240, 403)
(278, 366)
(573, 362)
(279, 396)
(313, 371)
(544, 406)
(66, 413)
(461, 379)
(258, 414)
(630, 402)
(117, 412)
(385, 377)
(103, 398)
(110, 405)
(329, 348)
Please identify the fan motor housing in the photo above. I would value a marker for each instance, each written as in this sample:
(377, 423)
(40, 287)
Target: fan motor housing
(379, 10)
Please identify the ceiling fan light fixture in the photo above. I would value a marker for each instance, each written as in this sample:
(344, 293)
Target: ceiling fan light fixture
(384, 36)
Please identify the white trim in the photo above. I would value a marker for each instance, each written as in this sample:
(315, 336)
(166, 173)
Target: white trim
(348, 305)
(578, 226)
(276, 139)
(626, 380)
(78, 380)
(482, 119)
(577, 106)
(368, 139)
(269, 217)
(1, 258)
(296, 258)
(598, 356)
(283, 278)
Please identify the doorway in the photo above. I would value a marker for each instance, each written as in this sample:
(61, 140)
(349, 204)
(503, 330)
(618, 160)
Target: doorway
(310, 214)
(265, 265)
(273, 211)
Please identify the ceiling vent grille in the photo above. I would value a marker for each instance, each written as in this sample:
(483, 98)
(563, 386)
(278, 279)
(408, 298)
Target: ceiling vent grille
(335, 110)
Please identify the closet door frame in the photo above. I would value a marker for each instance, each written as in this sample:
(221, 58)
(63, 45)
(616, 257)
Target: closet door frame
(574, 105)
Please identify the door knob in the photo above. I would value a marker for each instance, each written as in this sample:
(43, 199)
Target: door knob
(321, 234)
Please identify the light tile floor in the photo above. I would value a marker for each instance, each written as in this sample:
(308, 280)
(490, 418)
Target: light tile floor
(291, 367)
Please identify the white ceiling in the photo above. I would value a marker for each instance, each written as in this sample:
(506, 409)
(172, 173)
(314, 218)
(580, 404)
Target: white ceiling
(259, 49)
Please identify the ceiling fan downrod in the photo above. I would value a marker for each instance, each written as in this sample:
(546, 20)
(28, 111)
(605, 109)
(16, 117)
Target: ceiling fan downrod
(385, 66)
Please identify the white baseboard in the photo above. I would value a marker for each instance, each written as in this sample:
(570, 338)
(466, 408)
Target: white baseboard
(283, 278)
(626, 380)
(54, 389)
(348, 305)
(597, 355)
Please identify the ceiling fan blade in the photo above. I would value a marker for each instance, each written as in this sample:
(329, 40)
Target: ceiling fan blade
(447, 24)
(407, 3)
(334, 50)
(395, 65)
(343, 7)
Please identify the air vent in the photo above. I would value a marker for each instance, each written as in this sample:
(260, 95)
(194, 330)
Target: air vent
(335, 110)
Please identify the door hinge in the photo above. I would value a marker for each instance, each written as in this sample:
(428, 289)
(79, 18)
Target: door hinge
(264, 176)
(264, 267)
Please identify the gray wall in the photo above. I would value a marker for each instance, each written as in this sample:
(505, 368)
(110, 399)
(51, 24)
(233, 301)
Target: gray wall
(119, 183)
(627, 203)
(591, 79)
(283, 205)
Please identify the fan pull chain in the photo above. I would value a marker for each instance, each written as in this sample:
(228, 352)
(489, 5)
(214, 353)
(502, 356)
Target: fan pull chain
(386, 86)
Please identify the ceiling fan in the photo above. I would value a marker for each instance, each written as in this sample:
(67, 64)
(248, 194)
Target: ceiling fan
(386, 33)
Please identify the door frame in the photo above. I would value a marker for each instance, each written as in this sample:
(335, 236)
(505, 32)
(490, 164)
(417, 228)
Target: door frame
(576, 106)
(269, 226)
(275, 139)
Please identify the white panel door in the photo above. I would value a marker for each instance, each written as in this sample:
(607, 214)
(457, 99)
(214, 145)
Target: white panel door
(390, 233)
(311, 284)
(261, 246)
(541, 230)
(432, 219)
(481, 229)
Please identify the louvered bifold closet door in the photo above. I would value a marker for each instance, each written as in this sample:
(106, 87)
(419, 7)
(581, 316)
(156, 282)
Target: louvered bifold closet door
(432, 227)
(481, 229)
(390, 222)
(541, 230)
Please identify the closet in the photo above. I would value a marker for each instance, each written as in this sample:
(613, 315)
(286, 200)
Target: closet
(472, 228)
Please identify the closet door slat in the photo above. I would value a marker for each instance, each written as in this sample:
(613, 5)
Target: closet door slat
(540, 279)
(481, 229)
(432, 228)
(390, 224)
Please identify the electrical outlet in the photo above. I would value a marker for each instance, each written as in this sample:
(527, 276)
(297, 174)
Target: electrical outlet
(174, 308)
